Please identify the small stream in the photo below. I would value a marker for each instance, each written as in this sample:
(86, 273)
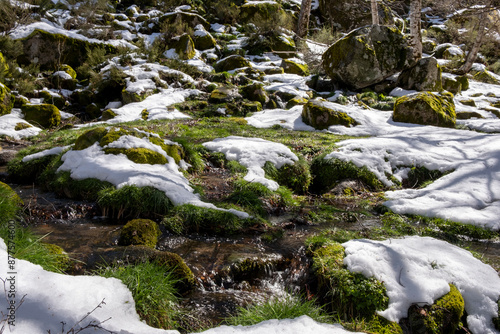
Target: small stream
(280, 267)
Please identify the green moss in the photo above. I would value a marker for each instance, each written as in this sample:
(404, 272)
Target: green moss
(452, 85)
(115, 133)
(441, 317)
(486, 77)
(350, 294)
(231, 63)
(295, 176)
(255, 92)
(293, 67)
(468, 102)
(189, 218)
(176, 265)
(108, 114)
(174, 150)
(420, 177)
(328, 172)
(132, 201)
(89, 137)
(46, 115)
(58, 101)
(320, 117)
(140, 232)
(4, 67)
(139, 155)
(62, 183)
(184, 47)
(425, 108)
(464, 82)
(6, 102)
(61, 258)
(10, 203)
(68, 69)
(30, 171)
(21, 126)
(263, 11)
(295, 102)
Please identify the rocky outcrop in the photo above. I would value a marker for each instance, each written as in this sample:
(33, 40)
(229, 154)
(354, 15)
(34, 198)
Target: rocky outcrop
(320, 115)
(425, 108)
(45, 115)
(425, 75)
(367, 56)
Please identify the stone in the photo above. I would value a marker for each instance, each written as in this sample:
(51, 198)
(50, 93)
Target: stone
(6, 100)
(425, 108)
(45, 115)
(258, 10)
(224, 95)
(189, 19)
(294, 67)
(486, 77)
(140, 232)
(321, 115)
(255, 92)
(425, 75)
(468, 115)
(295, 102)
(346, 15)
(367, 56)
(231, 63)
(452, 85)
(184, 46)
(4, 66)
(203, 40)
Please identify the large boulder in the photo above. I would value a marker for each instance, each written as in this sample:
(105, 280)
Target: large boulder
(346, 15)
(231, 63)
(425, 75)
(251, 11)
(6, 100)
(203, 40)
(45, 115)
(367, 56)
(255, 92)
(183, 46)
(321, 114)
(425, 108)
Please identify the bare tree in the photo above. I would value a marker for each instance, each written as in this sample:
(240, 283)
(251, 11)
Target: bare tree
(375, 20)
(415, 28)
(305, 12)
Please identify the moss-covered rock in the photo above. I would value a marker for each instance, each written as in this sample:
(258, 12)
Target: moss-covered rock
(203, 40)
(10, 195)
(261, 10)
(224, 95)
(425, 75)
(231, 63)
(321, 115)
(139, 155)
(175, 264)
(69, 70)
(184, 46)
(140, 232)
(55, 99)
(131, 97)
(428, 46)
(346, 15)
(452, 85)
(295, 176)
(468, 115)
(294, 67)
(486, 77)
(4, 67)
(442, 317)
(367, 56)
(48, 49)
(108, 114)
(21, 126)
(190, 20)
(283, 43)
(327, 173)
(425, 108)
(255, 92)
(295, 102)
(6, 100)
(46, 115)
(89, 137)
(468, 102)
(62, 259)
(464, 81)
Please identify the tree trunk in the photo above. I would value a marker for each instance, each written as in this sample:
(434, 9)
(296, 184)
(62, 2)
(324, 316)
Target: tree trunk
(305, 12)
(415, 28)
(472, 55)
(375, 20)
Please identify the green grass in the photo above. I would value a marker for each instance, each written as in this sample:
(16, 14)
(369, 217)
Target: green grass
(153, 290)
(287, 308)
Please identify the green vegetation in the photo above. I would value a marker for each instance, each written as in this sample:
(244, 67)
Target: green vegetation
(153, 290)
(287, 308)
(140, 232)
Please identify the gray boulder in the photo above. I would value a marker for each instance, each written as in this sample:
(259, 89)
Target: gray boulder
(367, 56)
(425, 75)
(425, 108)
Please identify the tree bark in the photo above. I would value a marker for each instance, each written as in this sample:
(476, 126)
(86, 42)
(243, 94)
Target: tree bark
(416, 28)
(305, 12)
(375, 20)
(472, 55)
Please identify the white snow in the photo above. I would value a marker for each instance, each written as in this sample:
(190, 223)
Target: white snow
(289, 119)
(92, 162)
(52, 151)
(253, 153)
(8, 124)
(417, 270)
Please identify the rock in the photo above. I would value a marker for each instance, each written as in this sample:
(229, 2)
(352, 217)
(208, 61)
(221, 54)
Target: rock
(130, 97)
(108, 114)
(346, 15)
(189, 19)
(47, 49)
(175, 264)
(425, 75)
(452, 85)
(425, 108)
(231, 63)
(428, 46)
(140, 232)
(93, 111)
(295, 102)
(283, 43)
(294, 67)
(367, 56)
(321, 115)
(53, 98)
(468, 115)
(184, 46)
(469, 102)
(441, 317)
(464, 81)
(6, 100)
(4, 67)
(224, 95)
(486, 77)
(203, 40)
(261, 10)
(45, 115)
(255, 92)
(7, 155)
